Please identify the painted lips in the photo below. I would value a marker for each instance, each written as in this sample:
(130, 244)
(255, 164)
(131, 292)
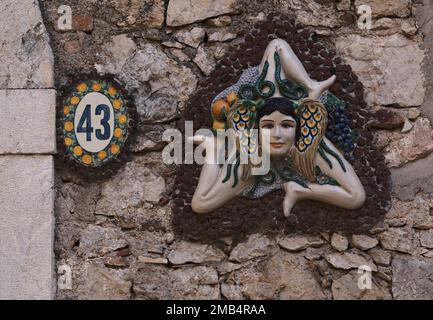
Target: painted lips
(277, 145)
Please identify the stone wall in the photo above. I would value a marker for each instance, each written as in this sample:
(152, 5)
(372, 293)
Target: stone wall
(117, 234)
(27, 143)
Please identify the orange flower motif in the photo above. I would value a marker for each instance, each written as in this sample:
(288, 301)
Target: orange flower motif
(87, 159)
(82, 87)
(115, 149)
(96, 87)
(102, 155)
(112, 91)
(66, 110)
(68, 141)
(122, 119)
(78, 151)
(69, 126)
(75, 100)
(118, 132)
(117, 104)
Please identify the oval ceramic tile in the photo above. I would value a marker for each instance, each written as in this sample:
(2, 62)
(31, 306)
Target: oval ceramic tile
(95, 122)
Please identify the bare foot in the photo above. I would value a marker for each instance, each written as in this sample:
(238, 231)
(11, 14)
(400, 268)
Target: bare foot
(318, 88)
(290, 198)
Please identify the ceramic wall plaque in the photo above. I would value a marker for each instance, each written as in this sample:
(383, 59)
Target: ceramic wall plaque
(279, 98)
(326, 173)
(95, 122)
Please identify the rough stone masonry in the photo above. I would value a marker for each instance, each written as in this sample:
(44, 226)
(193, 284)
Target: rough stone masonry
(117, 235)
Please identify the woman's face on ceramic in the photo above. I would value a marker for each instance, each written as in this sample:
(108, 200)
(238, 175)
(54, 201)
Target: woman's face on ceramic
(281, 129)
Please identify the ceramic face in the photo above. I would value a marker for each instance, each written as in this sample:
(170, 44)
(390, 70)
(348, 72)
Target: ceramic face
(282, 131)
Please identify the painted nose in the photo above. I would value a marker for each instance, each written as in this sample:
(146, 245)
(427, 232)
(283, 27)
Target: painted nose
(277, 132)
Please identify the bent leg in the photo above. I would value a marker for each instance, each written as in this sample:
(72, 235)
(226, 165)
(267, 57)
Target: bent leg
(269, 57)
(292, 69)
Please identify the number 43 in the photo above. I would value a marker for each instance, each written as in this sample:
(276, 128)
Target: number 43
(85, 123)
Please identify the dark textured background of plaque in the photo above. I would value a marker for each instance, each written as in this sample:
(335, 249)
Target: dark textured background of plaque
(241, 216)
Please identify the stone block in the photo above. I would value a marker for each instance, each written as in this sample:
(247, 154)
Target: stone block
(387, 8)
(413, 178)
(28, 121)
(380, 63)
(26, 227)
(412, 278)
(26, 56)
(182, 12)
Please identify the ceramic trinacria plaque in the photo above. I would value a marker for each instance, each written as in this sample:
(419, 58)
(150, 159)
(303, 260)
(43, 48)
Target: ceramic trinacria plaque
(95, 122)
(328, 130)
(281, 100)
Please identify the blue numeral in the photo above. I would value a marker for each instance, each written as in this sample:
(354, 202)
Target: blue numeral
(87, 118)
(85, 123)
(104, 121)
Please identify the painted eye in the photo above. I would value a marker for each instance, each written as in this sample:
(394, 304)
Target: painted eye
(268, 126)
(286, 125)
